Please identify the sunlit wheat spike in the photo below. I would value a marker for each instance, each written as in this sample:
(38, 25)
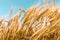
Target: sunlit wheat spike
(11, 10)
(1, 19)
(53, 2)
(22, 10)
(45, 3)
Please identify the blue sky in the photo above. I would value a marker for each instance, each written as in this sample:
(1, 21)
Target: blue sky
(5, 5)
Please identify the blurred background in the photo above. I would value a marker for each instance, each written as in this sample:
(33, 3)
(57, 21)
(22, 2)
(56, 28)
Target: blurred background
(6, 5)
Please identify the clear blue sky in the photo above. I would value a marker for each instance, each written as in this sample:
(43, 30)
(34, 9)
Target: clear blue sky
(5, 5)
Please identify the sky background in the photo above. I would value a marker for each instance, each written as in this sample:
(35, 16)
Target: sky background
(5, 5)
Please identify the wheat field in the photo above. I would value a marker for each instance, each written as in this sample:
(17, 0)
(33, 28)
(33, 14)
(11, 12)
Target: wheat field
(37, 24)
